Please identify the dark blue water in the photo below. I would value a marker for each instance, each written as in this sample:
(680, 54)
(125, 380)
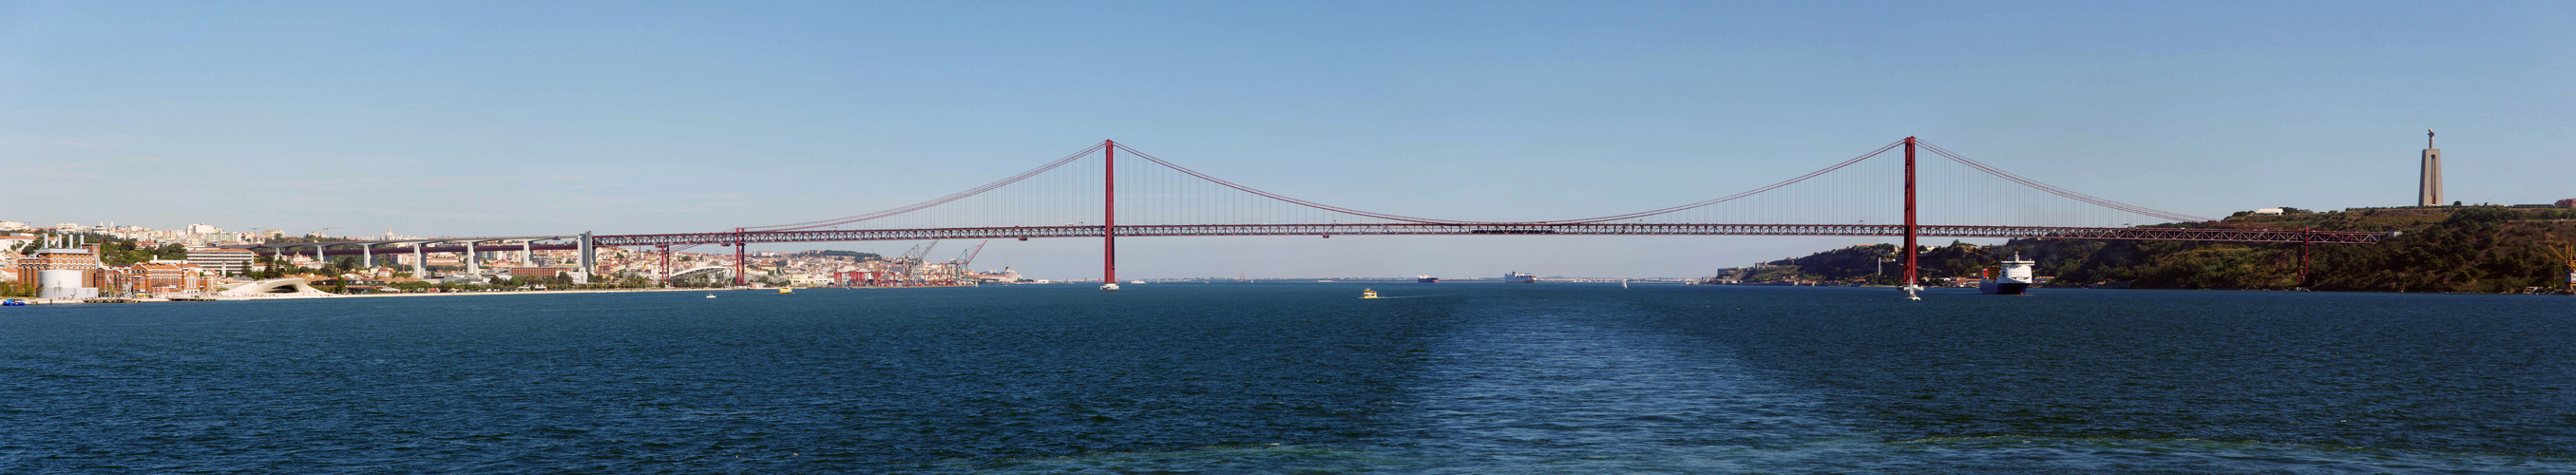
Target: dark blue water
(1248, 378)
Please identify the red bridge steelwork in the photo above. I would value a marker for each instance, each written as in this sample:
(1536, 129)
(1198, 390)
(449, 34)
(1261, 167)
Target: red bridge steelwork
(1618, 224)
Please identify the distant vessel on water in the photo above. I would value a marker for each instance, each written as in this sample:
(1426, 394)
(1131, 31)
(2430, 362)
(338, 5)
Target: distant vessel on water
(1368, 294)
(1519, 278)
(785, 290)
(1426, 278)
(2014, 279)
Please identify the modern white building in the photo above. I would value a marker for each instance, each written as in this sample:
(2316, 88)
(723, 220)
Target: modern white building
(226, 261)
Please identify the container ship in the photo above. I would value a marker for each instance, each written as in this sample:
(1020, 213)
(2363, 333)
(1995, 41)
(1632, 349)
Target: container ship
(1519, 278)
(1426, 278)
(2014, 279)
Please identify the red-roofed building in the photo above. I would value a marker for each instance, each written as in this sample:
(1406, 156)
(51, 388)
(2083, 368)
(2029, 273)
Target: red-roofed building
(161, 277)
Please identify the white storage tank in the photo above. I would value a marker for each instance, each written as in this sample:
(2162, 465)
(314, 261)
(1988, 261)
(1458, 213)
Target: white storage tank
(58, 284)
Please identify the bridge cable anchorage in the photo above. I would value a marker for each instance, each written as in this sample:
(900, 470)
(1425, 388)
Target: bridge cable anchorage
(933, 202)
(2070, 194)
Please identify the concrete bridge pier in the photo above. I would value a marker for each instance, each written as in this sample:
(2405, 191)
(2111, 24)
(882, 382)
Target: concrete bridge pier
(369, 253)
(419, 260)
(472, 265)
(528, 253)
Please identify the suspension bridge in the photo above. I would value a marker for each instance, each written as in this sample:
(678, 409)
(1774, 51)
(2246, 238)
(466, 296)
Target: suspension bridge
(1165, 199)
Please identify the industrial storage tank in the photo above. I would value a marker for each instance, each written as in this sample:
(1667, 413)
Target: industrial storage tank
(58, 284)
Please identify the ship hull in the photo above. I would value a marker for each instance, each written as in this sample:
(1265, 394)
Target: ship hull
(2003, 288)
(1428, 280)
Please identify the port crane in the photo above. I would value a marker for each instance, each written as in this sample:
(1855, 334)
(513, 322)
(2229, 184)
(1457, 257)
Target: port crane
(968, 257)
(959, 267)
(910, 263)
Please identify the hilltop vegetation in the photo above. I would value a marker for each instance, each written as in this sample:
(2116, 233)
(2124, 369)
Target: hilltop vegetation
(1863, 263)
(2441, 249)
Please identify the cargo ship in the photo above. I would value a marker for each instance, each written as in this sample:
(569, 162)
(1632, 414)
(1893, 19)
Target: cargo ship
(1519, 278)
(2014, 279)
(1426, 278)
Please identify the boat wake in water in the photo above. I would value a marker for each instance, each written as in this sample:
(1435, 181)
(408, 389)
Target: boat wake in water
(1548, 387)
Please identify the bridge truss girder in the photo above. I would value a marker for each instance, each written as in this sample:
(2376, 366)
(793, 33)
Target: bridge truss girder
(1411, 229)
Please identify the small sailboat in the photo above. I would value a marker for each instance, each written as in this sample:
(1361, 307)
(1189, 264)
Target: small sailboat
(1623, 283)
(1368, 294)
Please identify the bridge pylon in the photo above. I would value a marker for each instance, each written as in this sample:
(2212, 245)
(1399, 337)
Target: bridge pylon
(1109, 216)
(1912, 229)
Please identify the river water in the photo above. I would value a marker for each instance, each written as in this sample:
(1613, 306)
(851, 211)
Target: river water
(1451, 378)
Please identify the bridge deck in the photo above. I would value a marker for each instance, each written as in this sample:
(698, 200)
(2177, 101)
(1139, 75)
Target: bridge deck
(1015, 232)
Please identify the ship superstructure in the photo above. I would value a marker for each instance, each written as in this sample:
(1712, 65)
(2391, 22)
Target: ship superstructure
(2013, 280)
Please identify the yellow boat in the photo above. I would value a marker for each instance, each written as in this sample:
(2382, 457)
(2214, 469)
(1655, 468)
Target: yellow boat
(1368, 294)
(785, 290)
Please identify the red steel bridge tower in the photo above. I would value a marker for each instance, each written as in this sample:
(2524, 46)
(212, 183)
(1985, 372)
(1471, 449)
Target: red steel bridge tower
(1109, 216)
(1912, 229)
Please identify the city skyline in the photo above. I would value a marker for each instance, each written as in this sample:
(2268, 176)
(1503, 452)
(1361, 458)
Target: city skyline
(469, 119)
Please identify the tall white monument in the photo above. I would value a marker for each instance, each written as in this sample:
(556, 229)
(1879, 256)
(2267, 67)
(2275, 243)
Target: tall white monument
(2429, 192)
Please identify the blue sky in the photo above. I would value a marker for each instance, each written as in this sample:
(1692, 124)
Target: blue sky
(513, 118)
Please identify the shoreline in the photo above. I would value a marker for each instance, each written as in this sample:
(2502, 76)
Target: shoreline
(210, 298)
(36, 301)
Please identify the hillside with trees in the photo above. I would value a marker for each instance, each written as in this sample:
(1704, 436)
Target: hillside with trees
(2485, 249)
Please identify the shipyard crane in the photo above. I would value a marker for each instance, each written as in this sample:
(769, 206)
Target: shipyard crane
(2566, 253)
